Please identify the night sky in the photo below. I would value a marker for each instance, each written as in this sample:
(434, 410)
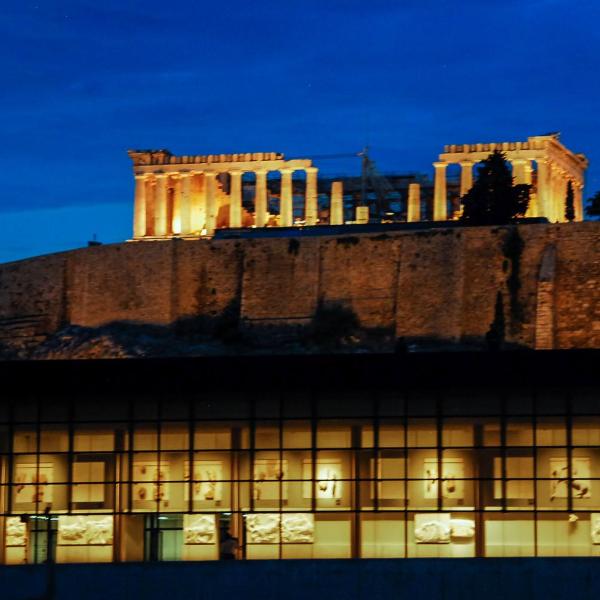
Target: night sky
(84, 81)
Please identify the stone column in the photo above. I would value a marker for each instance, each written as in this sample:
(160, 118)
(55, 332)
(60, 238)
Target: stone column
(558, 196)
(176, 208)
(286, 199)
(440, 196)
(160, 205)
(413, 211)
(543, 190)
(311, 198)
(186, 203)
(198, 201)
(578, 199)
(466, 177)
(260, 198)
(562, 191)
(521, 170)
(139, 210)
(235, 199)
(336, 206)
(210, 182)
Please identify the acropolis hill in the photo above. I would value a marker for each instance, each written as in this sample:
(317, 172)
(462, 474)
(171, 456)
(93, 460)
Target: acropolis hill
(178, 290)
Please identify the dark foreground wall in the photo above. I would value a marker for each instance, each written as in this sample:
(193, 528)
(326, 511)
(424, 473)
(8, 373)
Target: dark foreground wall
(519, 578)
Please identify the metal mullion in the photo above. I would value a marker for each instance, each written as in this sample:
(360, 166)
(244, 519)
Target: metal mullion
(568, 422)
(375, 475)
(159, 457)
(313, 450)
(477, 486)
(439, 450)
(280, 422)
(405, 482)
(38, 427)
(235, 489)
(251, 453)
(70, 458)
(130, 454)
(10, 457)
(191, 453)
(503, 454)
(535, 471)
(355, 435)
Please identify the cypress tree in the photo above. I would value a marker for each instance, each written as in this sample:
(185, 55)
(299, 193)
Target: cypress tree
(493, 199)
(570, 203)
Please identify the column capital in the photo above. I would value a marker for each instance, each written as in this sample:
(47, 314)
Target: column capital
(260, 172)
(186, 173)
(312, 170)
(287, 171)
(519, 161)
(209, 173)
(161, 175)
(141, 175)
(236, 172)
(440, 165)
(464, 163)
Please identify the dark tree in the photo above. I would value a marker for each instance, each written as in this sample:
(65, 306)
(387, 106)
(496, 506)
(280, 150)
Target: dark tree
(593, 207)
(570, 203)
(493, 199)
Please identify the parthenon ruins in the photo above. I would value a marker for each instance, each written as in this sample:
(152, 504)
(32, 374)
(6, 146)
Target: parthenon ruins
(181, 195)
(191, 196)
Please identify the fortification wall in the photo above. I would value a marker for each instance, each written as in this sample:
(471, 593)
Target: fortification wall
(439, 285)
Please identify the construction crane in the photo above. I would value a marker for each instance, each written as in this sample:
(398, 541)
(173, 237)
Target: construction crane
(369, 175)
(380, 184)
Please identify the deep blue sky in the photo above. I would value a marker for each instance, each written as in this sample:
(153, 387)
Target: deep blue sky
(83, 81)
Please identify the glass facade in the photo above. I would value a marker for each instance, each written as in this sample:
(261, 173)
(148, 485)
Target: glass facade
(373, 474)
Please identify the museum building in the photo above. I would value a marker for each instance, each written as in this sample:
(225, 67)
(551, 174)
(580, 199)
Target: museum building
(373, 456)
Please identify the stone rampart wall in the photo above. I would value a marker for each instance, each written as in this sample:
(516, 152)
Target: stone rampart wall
(439, 285)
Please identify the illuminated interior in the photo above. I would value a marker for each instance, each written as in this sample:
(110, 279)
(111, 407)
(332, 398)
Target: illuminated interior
(332, 477)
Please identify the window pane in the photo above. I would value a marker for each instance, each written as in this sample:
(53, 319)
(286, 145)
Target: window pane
(422, 433)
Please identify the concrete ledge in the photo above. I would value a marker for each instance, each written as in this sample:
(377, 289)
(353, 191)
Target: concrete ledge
(518, 578)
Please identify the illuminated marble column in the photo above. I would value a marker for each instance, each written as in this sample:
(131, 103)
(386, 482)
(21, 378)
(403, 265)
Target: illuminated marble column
(521, 171)
(198, 201)
(235, 199)
(543, 190)
(561, 196)
(558, 198)
(311, 199)
(466, 177)
(139, 210)
(186, 202)
(176, 208)
(286, 199)
(336, 208)
(440, 196)
(260, 198)
(578, 200)
(160, 205)
(527, 172)
(210, 184)
(413, 211)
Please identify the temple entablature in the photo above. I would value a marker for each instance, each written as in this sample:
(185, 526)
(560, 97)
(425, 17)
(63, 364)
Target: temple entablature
(165, 157)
